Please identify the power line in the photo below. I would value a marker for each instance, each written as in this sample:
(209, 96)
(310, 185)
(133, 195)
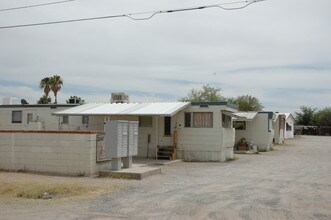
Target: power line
(149, 14)
(36, 5)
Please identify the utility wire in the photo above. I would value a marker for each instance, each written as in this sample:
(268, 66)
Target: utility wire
(36, 5)
(149, 14)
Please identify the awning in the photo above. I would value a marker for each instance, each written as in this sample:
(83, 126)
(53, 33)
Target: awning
(245, 116)
(137, 109)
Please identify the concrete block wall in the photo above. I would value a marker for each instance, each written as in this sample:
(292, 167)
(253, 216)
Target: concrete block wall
(71, 153)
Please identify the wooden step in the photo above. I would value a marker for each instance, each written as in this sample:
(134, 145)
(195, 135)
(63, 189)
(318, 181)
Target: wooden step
(166, 152)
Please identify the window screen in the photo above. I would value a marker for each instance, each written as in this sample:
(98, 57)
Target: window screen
(188, 119)
(65, 119)
(145, 121)
(167, 126)
(16, 117)
(85, 119)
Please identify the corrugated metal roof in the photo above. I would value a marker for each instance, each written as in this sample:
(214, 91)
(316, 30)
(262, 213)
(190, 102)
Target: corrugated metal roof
(155, 108)
(248, 116)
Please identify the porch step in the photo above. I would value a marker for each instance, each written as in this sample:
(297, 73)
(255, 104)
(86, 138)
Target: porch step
(166, 152)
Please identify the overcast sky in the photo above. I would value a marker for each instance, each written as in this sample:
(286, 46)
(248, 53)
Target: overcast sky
(276, 50)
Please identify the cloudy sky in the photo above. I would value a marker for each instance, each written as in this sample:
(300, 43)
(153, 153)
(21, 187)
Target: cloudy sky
(276, 50)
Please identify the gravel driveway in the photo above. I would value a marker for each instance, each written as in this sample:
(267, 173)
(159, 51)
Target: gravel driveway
(291, 182)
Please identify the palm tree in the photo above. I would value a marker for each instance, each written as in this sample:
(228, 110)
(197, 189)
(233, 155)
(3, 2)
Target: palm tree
(45, 84)
(56, 83)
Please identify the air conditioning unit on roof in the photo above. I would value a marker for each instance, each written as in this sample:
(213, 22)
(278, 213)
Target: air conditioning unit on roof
(119, 98)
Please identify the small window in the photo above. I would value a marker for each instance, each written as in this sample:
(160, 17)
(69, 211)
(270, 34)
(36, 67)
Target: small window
(288, 127)
(29, 118)
(65, 119)
(188, 120)
(226, 121)
(145, 121)
(239, 125)
(167, 126)
(85, 119)
(16, 117)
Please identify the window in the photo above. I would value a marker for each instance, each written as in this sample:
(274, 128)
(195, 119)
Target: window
(65, 119)
(145, 121)
(16, 117)
(199, 119)
(203, 119)
(288, 127)
(29, 118)
(188, 119)
(167, 126)
(85, 119)
(239, 125)
(226, 121)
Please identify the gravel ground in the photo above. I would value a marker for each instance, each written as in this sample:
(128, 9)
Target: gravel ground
(291, 182)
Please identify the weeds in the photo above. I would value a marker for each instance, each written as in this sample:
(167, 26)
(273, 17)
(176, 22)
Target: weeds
(38, 189)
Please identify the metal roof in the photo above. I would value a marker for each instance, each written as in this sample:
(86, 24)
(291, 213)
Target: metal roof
(155, 108)
(246, 116)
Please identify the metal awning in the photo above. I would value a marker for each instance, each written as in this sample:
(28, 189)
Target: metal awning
(232, 114)
(137, 109)
(245, 116)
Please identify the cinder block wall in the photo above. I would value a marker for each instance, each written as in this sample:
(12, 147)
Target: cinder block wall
(61, 152)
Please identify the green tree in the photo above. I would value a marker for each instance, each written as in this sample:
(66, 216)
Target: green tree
(206, 94)
(247, 103)
(305, 116)
(44, 100)
(56, 83)
(322, 117)
(45, 84)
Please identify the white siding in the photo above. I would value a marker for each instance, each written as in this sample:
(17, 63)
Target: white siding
(143, 145)
(258, 132)
(289, 134)
(40, 114)
(203, 144)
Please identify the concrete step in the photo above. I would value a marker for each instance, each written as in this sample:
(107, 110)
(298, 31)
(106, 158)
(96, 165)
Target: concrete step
(131, 173)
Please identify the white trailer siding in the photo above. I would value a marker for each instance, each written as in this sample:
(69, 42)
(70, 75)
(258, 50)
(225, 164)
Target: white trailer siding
(37, 113)
(259, 130)
(204, 144)
(289, 126)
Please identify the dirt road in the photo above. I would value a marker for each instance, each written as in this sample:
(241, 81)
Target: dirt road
(291, 182)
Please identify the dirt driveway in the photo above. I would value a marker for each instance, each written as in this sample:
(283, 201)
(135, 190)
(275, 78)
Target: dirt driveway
(292, 182)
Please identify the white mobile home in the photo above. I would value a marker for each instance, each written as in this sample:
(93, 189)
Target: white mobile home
(256, 127)
(289, 125)
(197, 131)
(37, 117)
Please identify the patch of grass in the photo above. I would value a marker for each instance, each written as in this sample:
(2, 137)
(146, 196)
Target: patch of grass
(28, 189)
